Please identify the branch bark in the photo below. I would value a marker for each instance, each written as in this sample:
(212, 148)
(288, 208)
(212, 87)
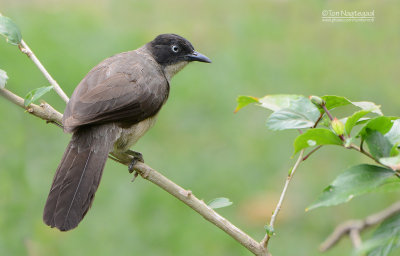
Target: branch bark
(353, 228)
(49, 114)
(25, 49)
(267, 236)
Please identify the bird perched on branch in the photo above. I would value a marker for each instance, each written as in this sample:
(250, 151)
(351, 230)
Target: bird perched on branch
(111, 108)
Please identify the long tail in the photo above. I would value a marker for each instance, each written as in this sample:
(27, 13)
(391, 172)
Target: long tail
(78, 176)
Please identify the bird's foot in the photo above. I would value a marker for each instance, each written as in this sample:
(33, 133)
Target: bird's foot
(136, 157)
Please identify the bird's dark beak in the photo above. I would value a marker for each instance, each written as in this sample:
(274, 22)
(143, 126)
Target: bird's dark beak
(196, 56)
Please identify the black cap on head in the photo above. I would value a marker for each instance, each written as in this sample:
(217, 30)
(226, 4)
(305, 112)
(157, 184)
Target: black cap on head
(168, 49)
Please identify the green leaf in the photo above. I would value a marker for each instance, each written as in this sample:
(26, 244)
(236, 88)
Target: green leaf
(244, 101)
(393, 135)
(300, 113)
(3, 78)
(355, 181)
(379, 146)
(385, 239)
(393, 162)
(10, 30)
(352, 120)
(219, 202)
(333, 101)
(382, 124)
(279, 101)
(36, 94)
(368, 106)
(395, 150)
(288, 119)
(314, 137)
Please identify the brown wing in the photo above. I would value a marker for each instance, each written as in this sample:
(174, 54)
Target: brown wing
(126, 88)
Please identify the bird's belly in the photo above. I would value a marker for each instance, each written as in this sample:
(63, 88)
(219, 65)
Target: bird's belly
(129, 136)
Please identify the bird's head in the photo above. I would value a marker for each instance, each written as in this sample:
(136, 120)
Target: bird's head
(174, 52)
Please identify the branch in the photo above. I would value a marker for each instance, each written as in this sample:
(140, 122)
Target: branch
(353, 228)
(265, 241)
(43, 111)
(200, 207)
(25, 49)
(49, 114)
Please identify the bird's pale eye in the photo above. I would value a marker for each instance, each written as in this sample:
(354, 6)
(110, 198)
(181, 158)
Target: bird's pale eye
(175, 48)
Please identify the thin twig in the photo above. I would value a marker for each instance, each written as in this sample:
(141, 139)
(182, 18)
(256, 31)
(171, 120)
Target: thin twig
(311, 152)
(25, 49)
(359, 226)
(266, 238)
(318, 120)
(352, 146)
(355, 238)
(46, 112)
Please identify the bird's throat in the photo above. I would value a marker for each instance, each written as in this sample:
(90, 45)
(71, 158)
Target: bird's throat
(173, 69)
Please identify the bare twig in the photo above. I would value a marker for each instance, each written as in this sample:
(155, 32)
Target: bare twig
(318, 120)
(311, 152)
(25, 49)
(266, 238)
(200, 207)
(46, 112)
(354, 227)
(355, 238)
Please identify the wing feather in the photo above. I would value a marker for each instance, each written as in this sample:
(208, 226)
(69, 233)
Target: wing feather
(126, 88)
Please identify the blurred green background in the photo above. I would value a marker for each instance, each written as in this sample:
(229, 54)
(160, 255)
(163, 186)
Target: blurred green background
(257, 48)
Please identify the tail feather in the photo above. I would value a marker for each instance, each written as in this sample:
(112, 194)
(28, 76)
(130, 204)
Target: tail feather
(78, 176)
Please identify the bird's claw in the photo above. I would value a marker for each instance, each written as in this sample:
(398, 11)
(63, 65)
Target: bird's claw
(136, 157)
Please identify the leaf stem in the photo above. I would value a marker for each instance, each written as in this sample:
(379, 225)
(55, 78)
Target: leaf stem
(318, 120)
(327, 111)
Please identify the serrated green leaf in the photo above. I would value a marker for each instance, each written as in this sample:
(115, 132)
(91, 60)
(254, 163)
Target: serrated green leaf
(384, 240)
(314, 137)
(379, 146)
(244, 101)
(355, 181)
(10, 30)
(219, 202)
(36, 94)
(3, 78)
(279, 101)
(352, 120)
(301, 113)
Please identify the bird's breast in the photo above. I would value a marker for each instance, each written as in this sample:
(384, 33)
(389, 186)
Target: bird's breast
(130, 135)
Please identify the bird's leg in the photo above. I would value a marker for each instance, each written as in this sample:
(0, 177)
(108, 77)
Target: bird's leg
(128, 157)
(137, 156)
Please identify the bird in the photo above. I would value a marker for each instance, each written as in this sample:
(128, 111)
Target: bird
(112, 107)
